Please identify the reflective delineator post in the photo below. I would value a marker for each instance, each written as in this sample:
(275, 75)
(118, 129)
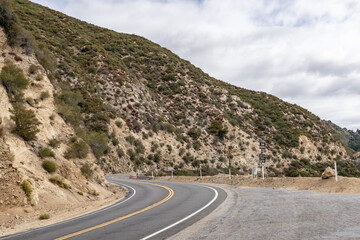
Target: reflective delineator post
(229, 173)
(200, 174)
(172, 173)
(336, 176)
(262, 171)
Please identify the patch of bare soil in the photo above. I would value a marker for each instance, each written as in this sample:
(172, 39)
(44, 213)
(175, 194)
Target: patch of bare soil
(24, 218)
(344, 185)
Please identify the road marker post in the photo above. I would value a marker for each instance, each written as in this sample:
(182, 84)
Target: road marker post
(336, 175)
(229, 173)
(200, 173)
(262, 157)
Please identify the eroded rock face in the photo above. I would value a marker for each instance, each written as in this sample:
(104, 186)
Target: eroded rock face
(1, 127)
(328, 173)
(11, 193)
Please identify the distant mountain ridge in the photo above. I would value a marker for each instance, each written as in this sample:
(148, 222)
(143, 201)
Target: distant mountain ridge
(349, 137)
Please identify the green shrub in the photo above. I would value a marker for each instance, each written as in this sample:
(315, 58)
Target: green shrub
(196, 145)
(49, 166)
(98, 142)
(87, 171)
(194, 133)
(115, 141)
(78, 149)
(26, 122)
(54, 143)
(59, 181)
(39, 77)
(188, 158)
(157, 157)
(46, 152)
(120, 152)
(33, 69)
(13, 79)
(216, 128)
(305, 174)
(118, 124)
(44, 216)
(27, 189)
(291, 172)
(44, 95)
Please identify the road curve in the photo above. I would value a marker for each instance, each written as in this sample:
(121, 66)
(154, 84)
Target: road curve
(151, 210)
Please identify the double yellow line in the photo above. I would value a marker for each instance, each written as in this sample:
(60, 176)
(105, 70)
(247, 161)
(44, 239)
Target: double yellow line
(170, 195)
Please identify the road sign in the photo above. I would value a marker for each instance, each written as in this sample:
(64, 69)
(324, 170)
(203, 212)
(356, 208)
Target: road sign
(262, 145)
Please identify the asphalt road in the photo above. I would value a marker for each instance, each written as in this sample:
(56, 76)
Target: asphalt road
(151, 210)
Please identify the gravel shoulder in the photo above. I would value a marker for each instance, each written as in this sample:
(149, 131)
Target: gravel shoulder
(273, 213)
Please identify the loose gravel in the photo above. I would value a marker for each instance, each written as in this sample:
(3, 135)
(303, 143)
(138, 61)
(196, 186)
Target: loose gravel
(266, 213)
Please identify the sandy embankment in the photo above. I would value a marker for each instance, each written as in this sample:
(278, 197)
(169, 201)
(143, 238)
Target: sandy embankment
(20, 219)
(344, 185)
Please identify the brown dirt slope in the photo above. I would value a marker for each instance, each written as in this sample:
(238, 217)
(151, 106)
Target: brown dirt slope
(344, 185)
(11, 193)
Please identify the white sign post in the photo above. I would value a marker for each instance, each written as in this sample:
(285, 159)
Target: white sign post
(336, 176)
(262, 171)
(200, 173)
(229, 173)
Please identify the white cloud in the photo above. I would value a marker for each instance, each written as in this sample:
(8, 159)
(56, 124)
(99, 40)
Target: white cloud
(302, 51)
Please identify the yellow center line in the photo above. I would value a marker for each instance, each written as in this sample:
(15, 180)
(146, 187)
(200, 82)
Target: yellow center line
(170, 195)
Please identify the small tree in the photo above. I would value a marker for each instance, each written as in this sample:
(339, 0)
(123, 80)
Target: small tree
(217, 129)
(26, 122)
(13, 79)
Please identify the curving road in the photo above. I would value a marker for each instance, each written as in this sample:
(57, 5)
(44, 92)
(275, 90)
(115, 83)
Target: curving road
(151, 210)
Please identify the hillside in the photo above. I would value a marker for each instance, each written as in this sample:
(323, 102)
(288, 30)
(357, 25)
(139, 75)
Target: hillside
(350, 138)
(37, 173)
(138, 106)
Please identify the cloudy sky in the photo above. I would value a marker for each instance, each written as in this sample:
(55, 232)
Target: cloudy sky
(305, 52)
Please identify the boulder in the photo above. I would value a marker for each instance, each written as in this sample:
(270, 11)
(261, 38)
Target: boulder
(328, 173)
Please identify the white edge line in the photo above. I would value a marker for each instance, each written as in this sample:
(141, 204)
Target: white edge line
(186, 218)
(75, 218)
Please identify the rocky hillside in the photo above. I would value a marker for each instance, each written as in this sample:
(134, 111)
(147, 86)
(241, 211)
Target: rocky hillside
(350, 138)
(37, 170)
(138, 106)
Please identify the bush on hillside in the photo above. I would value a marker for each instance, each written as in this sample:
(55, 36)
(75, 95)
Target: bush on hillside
(87, 171)
(54, 143)
(46, 152)
(98, 142)
(26, 122)
(194, 133)
(216, 128)
(49, 166)
(27, 189)
(77, 149)
(60, 182)
(13, 79)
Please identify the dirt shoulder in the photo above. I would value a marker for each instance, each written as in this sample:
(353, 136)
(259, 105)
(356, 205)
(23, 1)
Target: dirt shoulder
(20, 219)
(344, 185)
